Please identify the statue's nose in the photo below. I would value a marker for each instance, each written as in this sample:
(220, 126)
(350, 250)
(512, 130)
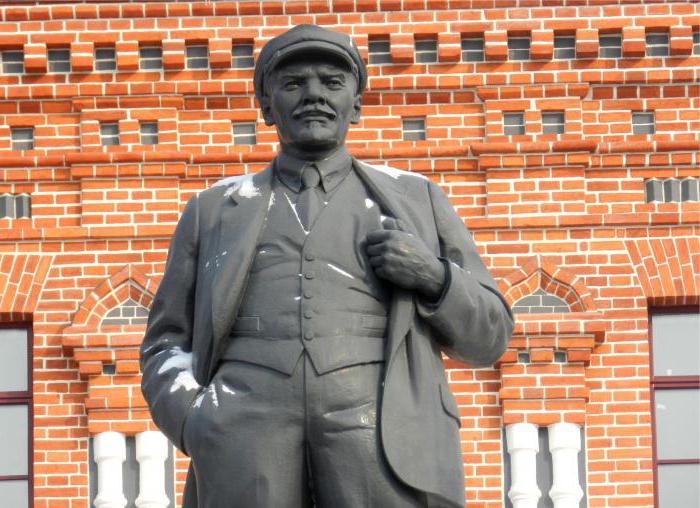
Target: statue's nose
(314, 92)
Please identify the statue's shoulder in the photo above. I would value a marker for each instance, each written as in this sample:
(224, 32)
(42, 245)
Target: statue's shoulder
(393, 176)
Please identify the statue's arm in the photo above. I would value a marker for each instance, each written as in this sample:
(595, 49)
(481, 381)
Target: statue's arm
(168, 384)
(472, 320)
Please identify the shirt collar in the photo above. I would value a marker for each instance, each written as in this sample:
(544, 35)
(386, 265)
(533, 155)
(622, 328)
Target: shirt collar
(332, 169)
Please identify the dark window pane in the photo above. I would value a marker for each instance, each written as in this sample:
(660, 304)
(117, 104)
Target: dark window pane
(379, 52)
(12, 62)
(653, 190)
(672, 190)
(149, 133)
(109, 134)
(244, 134)
(696, 42)
(59, 60)
(105, 59)
(676, 344)
(564, 47)
(690, 189)
(14, 439)
(677, 424)
(513, 124)
(553, 122)
(242, 56)
(151, 57)
(22, 138)
(7, 206)
(657, 44)
(426, 51)
(643, 122)
(23, 206)
(197, 57)
(473, 50)
(518, 48)
(610, 46)
(414, 129)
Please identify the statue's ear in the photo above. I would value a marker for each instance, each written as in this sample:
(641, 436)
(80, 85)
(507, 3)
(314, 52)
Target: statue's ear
(357, 109)
(266, 111)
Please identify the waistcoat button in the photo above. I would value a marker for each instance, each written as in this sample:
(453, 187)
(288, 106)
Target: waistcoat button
(309, 275)
(308, 314)
(308, 335)
(308, 295)
(309, 257)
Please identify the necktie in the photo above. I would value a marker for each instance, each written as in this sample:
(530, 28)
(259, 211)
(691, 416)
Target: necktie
(309, 203)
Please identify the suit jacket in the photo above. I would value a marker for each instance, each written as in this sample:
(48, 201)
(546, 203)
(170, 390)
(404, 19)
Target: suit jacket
(205, 278)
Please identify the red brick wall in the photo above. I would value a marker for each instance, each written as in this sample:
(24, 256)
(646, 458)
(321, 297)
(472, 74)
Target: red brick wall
(565, 213)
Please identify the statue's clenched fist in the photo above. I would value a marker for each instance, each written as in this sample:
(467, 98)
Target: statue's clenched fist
(404, 259)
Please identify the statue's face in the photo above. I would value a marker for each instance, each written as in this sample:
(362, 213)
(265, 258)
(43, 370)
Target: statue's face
(311, 100)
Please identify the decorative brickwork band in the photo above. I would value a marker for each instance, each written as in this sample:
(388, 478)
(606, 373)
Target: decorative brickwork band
(565, 445)
(21, 280)
(110, 453)
(151, 453)
(523, 446)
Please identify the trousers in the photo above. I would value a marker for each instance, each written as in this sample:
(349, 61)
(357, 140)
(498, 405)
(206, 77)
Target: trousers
(261, 438)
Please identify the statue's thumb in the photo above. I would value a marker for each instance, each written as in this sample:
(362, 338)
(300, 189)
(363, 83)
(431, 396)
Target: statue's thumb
(391, 223)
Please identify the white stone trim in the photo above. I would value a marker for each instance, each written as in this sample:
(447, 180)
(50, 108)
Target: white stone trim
(110, 453)
(565, 445)
(151, 453)
(523, 445)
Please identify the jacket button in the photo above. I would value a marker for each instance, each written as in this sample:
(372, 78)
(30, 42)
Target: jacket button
(308, 295)
(308, 335)
(308, 314)
(309, 275)
(309, 257)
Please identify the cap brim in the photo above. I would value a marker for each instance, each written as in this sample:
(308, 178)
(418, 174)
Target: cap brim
(310, 47)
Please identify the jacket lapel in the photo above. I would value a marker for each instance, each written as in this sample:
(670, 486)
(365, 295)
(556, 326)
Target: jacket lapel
(243, 213)
(402, 307)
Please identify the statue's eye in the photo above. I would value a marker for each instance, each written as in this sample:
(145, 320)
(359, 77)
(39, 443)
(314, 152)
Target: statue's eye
(291, 84)
(334, 83)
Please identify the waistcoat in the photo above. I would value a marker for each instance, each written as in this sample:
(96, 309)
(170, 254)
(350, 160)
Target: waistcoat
(314, 291)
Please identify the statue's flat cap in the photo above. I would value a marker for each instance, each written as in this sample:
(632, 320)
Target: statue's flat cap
(309, 39)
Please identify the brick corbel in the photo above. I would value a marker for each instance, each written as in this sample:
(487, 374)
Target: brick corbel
(542, 391)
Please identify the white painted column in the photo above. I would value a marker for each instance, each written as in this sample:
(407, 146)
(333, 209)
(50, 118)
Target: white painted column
(151, 452)
(565, 445)
(110, 453)
(523, 446)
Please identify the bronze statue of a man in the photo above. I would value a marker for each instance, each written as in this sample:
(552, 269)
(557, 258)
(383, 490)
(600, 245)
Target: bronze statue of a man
(293, 347)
